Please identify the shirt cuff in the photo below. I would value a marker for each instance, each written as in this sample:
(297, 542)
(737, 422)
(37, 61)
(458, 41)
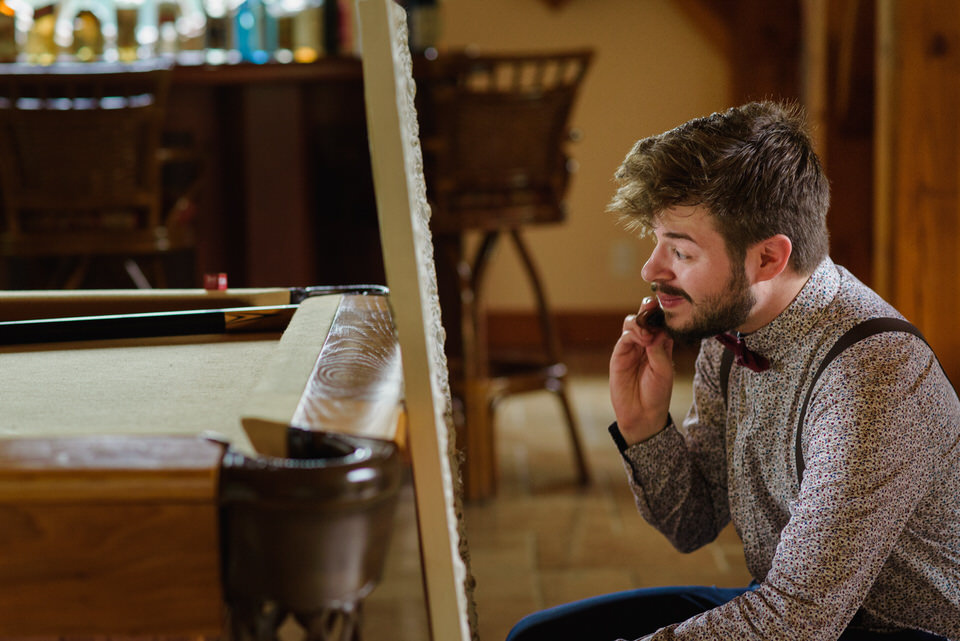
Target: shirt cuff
(621, 443)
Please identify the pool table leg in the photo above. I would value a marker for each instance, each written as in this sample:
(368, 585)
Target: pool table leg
(255, 622)
(260, 622)
(333, 624)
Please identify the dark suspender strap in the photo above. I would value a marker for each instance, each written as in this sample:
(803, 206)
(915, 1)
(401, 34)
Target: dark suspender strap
(726, 361)
(855, 334)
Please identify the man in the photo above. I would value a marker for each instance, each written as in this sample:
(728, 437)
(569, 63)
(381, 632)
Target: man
(851, 528)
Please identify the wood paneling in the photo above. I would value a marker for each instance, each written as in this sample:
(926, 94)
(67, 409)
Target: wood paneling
(847, 129)
(921, 132)
(818, 53)
(96, 541)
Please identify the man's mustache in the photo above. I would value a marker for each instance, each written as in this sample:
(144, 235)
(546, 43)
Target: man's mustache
(670, 291)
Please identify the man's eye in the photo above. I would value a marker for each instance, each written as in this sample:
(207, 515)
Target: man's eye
(680, 255)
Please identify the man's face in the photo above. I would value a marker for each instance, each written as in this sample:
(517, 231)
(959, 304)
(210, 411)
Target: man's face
(701, 292)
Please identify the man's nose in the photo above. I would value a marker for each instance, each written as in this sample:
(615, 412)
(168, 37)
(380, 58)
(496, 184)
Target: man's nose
(655, 268)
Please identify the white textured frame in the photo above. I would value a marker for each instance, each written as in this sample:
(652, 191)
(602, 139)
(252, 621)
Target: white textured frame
(404, 217)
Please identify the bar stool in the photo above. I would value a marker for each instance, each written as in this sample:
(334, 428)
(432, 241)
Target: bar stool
(496, 164)
(81, 166)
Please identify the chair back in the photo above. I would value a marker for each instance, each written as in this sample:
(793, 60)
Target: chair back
(498, 159)
(79, 158)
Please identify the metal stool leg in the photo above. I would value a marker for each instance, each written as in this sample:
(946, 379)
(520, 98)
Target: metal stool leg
(333, 624)
(583, 472)
(551, 347)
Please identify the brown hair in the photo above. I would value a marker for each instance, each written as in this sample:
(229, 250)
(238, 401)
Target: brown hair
(753, 167)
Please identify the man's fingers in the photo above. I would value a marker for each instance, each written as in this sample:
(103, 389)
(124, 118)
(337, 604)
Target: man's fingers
(660, 353)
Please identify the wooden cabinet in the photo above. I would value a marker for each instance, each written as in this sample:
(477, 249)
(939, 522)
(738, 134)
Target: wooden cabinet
(289, 195)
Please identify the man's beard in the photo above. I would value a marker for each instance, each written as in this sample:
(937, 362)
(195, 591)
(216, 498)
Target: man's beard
(716, 314)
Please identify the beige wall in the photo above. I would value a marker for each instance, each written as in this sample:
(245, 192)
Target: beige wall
(653, 70)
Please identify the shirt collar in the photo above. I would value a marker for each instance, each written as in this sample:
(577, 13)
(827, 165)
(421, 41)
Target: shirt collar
(778, 338)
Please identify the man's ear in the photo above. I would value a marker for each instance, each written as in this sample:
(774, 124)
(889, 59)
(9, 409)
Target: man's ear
(768, 258)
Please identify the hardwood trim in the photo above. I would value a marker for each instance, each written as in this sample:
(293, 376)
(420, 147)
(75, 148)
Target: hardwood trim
(586, 338)
(519, 330)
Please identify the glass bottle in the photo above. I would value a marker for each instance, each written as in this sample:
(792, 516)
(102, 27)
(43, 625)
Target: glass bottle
(279, 36)
(220, 38)
(21, 12)
(307, 32)
(8, 33)
(128, 24)
(86, 30)
(249, 26)
(191, 29)
(39, 47)
(331, 27)
(423, 21)
(168, 40)
(172, 28)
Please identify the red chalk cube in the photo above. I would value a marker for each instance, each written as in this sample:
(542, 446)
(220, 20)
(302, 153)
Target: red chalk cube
(216, 282)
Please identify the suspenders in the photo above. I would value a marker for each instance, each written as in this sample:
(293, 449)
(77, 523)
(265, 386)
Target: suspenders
(853, 335)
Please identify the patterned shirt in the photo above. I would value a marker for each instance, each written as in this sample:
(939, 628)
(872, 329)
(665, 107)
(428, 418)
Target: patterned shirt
(874, 529)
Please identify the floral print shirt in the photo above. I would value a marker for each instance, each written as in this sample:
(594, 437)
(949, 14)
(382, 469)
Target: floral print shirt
(872, 534)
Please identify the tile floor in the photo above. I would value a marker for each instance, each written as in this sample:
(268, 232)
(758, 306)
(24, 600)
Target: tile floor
(544, 541)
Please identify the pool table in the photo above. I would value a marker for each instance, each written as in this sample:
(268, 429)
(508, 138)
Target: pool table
(183, 480)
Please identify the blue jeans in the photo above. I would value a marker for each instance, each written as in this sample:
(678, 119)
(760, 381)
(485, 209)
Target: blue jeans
(635, 613)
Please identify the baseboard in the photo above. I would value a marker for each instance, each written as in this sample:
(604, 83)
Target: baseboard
(584, 331)
(580, 332)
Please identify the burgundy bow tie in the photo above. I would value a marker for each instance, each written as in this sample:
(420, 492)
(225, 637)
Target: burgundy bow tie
(743, 355)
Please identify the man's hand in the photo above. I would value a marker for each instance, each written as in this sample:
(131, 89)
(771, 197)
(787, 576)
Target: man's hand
(641, 378)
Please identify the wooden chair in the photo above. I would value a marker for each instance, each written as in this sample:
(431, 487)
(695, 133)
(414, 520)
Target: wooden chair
(80, 168)
(496, 163)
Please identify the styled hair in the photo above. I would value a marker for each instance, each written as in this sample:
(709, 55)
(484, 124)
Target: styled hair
(752, 167)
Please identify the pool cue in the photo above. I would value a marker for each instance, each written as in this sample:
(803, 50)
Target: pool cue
(177, 323)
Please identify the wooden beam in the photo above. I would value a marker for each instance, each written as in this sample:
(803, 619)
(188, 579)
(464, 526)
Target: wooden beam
(814, 74)
(883, 166)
